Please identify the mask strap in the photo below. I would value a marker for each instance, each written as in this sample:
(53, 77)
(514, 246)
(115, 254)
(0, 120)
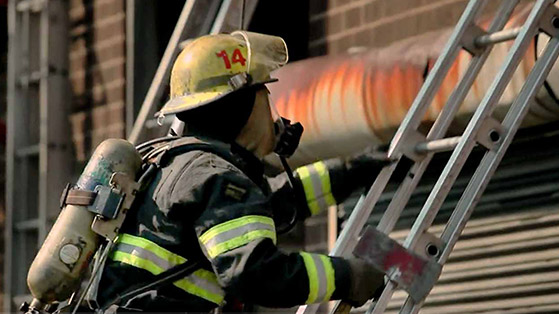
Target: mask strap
(292, 183)
(288, 171)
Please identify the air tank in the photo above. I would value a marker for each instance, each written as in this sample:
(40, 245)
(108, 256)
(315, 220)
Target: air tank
(66, 253)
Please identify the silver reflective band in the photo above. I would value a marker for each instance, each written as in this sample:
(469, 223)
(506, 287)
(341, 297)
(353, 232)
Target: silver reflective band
(316, 183)
(196, 283)
(322, 280)
(317, 188)
(236, 233)
(145, 254)
(321, 277)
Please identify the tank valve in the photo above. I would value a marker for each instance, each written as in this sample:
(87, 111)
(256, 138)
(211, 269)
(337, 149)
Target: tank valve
(36, 307)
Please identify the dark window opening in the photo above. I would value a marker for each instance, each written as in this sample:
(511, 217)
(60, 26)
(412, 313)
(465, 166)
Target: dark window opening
(287, 19)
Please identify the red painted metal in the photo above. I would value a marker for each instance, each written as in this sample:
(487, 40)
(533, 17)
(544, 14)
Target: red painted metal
(409, 270)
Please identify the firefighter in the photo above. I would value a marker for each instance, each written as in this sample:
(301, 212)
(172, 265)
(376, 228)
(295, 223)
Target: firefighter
(213, 203)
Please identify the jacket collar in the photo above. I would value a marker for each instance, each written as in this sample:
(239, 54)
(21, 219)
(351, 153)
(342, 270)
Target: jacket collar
(248, 163)
(243, 159)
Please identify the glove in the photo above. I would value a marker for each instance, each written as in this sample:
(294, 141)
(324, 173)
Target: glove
(366, 282)
(364, 167)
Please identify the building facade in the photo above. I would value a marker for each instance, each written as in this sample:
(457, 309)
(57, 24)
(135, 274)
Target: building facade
(507, 258)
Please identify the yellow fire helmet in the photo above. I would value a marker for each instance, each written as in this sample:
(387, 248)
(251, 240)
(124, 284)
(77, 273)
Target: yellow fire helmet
(213, 66)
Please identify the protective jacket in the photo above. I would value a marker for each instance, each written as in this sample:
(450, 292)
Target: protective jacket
(216, 205)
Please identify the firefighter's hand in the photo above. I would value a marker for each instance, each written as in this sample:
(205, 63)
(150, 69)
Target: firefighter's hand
(365, 282)
(364, 166)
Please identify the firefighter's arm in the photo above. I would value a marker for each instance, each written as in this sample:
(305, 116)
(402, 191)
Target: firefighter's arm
(326, 183)
(237, 234)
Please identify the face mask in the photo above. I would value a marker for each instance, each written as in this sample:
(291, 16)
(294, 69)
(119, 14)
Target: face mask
(287, 137)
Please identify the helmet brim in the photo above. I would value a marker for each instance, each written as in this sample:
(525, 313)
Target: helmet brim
(197, 100)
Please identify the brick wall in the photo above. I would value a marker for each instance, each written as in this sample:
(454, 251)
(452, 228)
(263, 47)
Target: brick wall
(337, 25)
(97, 72)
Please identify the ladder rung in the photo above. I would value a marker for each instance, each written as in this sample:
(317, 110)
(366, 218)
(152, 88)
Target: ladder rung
(25, 225)
(497, 37)
(31, 150)
(31, 5)
(436, 146)
(32, 78)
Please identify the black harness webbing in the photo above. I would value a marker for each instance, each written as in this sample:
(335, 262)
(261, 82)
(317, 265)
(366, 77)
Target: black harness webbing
(156, 158)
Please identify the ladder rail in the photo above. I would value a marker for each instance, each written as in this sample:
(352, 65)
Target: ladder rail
(157, 86)
(223, 19)
(37, 151)
(480, 179)
(412, 119)
(54, 92)
(43, 124)
(11, 145)
(441, 124)
(221, 16)
(349, 236)
(356, 222)
(418, 108)
(21, 97)
(408, 130)
(434, 80)
(478, 124)
(492, 159)
(220, 25)
(468, 140)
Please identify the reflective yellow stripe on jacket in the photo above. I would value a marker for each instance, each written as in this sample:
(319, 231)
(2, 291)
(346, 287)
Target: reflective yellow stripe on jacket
(316, 183)
(144, 254)
(322, 282)
(236, 233)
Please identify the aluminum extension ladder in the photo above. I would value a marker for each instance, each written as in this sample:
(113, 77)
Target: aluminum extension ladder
(197, 18)
(38, 145)
(423, 254)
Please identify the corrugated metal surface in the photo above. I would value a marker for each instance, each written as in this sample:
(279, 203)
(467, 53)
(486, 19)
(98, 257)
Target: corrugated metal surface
(348, 102)
(527, 176)
(505, 263)
(507, 260)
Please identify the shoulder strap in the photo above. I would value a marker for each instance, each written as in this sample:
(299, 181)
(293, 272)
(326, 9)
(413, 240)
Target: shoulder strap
(161, 280)
(157, 154)
(157, 158)
(187, 144)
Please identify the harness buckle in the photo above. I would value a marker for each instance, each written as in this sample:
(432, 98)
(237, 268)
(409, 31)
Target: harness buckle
(107, 203)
